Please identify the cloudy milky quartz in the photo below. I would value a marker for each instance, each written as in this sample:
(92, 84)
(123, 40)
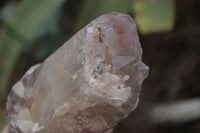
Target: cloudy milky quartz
(87, 86)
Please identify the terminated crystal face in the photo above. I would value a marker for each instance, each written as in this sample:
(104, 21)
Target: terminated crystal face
(87, 86)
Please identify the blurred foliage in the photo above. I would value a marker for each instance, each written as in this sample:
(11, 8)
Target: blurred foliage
(47, 39)
(2, 121)
(25, 22)
(154, 16)
(94, 8)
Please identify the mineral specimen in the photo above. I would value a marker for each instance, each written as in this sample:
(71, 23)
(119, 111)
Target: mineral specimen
(87, 86)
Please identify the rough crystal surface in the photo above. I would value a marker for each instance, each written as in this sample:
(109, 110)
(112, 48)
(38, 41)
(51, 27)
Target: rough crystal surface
(87, 86)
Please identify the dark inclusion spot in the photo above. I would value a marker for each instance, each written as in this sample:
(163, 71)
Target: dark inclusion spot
(100, 35)
(95, 76)
(98, 70)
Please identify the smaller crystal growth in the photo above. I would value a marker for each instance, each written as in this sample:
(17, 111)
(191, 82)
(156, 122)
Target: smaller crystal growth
(87, 86)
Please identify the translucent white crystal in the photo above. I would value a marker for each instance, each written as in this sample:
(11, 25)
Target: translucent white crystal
(88, 85)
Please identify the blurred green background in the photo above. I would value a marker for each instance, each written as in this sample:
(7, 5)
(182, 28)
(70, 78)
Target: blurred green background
(30, 30)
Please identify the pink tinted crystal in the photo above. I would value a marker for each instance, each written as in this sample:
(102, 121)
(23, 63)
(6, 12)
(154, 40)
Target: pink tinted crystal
(88, 85)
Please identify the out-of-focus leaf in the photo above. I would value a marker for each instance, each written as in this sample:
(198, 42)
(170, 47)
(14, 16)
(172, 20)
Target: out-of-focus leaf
(47, 45)
(2, 121)
(46, 39)
(51, 26)
(154, 16)
(94, 8)
(26, 20)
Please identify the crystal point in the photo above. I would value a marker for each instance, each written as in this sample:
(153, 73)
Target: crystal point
(88, 85)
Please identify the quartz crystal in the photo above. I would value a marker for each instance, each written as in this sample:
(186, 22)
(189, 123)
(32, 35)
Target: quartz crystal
(87, 86)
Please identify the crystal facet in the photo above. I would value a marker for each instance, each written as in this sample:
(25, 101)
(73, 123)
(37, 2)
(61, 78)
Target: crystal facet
(88, 85)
